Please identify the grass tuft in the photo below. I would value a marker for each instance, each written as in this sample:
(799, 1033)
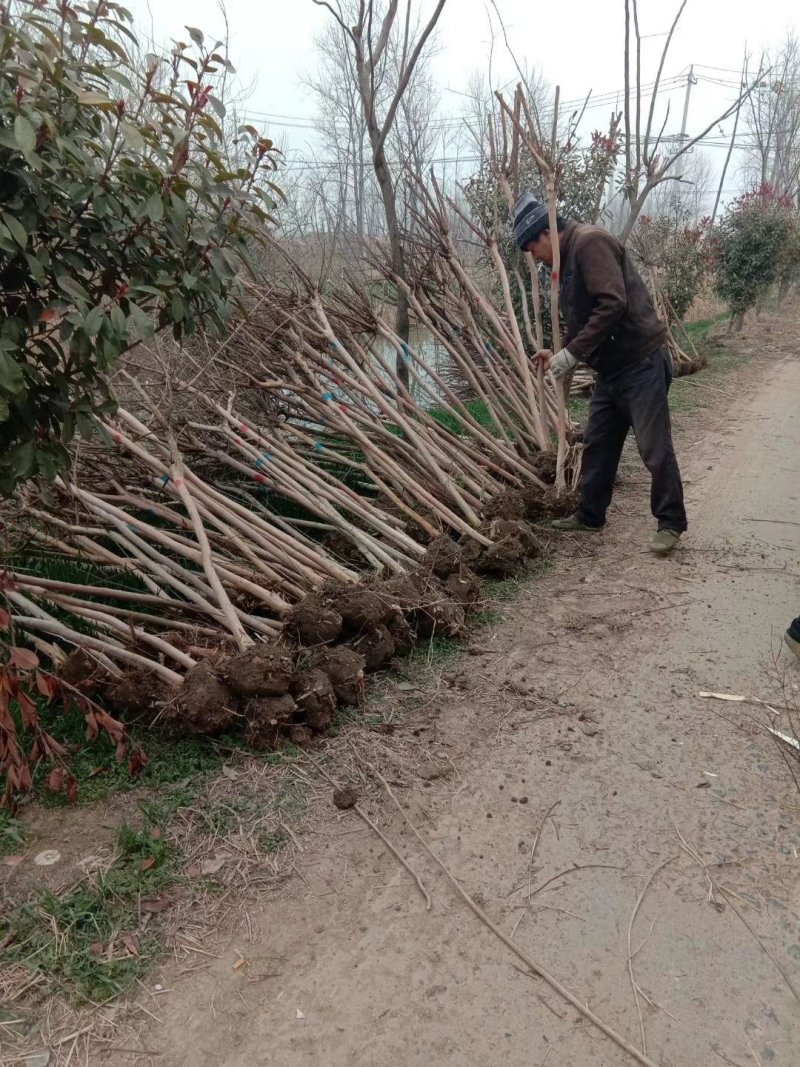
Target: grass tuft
(83, 943)
(12, 834)
(698, 331)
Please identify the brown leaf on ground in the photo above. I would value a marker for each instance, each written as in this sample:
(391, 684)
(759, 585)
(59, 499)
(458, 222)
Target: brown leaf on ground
(23, 658)
(55, 780)
(137, 761)
(212, 866)
(46, 685)
(148, 864)
(155, 905)
(130, 945)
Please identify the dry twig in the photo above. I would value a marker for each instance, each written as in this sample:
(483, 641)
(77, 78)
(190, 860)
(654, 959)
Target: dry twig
(631, 953)
(535, 967)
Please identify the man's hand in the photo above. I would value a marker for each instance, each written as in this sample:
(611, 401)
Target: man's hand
(562, 363)
(542, 359)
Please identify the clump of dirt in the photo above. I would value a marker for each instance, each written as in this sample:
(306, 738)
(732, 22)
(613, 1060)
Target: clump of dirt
(473, 550)
(276, 710)
(261, 736)
(314, 622)
(267, 718)
(261, 671)
(343, 549)
(140, 695)
(426, 605)
(464, 587)
(506, 505)
(205, 705)
(408, 591)
(403, 636)
(513, 542)
(345, 798)
(316, 700)
(548, 504)
(376, 646)
(84, 672)
(301, 736)
(444, 556)
(544, 464)
(439, 618)
(689, 366)
(345, 669)
(360, 608)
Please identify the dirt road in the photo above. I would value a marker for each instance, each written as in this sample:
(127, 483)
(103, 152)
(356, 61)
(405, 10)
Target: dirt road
(585, 697)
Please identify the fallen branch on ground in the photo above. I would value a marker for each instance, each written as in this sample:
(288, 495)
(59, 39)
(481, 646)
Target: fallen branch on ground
(535, 967)
(631, 954)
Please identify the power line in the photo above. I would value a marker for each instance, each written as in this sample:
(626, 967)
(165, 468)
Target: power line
(302, 164)
(666, 87)
(725, 70)
(588, 102)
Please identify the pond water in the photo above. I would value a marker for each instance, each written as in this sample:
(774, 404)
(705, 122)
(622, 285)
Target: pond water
(432, 353)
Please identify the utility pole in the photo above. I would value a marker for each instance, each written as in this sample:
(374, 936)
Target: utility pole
(690, 81)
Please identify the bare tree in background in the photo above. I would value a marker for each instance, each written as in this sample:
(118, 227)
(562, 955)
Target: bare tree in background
(413, 138)
(313, 222)
(651, 158)
(731, 145)
(772, 119)
(481, 106)
(341, 124)
(686, 201)
(368, 35)
(346, 156)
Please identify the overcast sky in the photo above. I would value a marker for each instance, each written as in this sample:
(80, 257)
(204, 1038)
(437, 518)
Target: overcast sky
(576, 43)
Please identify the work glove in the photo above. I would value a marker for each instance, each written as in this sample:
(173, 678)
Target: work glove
(562, 363)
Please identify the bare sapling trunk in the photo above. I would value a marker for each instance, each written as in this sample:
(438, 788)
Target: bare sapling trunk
(402, 324)
(549, 159)
(368, 29)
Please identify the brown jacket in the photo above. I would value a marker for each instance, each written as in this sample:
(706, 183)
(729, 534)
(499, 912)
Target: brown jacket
(611, 321)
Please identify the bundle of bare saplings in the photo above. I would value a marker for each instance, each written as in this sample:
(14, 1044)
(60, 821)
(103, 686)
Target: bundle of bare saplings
(260, 525)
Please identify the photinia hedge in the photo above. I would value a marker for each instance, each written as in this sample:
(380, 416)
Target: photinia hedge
(120, 213)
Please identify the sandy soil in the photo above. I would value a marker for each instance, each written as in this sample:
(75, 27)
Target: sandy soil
(585, 697)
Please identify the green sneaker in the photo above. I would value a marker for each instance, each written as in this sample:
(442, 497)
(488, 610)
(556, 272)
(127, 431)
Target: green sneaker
(664, 541)
(572, 524)
(792, 644)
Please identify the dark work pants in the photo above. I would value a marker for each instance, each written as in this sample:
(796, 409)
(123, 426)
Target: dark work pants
(794, 629)
(635, 399)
